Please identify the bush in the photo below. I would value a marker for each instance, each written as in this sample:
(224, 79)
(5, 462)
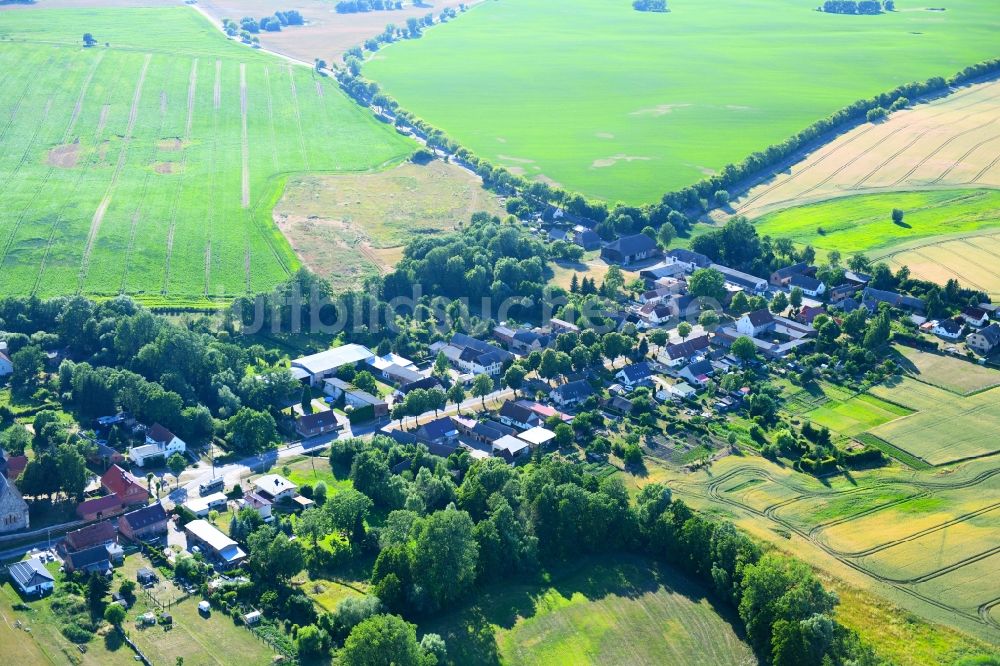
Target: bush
(876, 114)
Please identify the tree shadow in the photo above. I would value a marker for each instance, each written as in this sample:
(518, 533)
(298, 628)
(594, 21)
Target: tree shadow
(113, 641)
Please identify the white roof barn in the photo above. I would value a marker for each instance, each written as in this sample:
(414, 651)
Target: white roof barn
(325, 363)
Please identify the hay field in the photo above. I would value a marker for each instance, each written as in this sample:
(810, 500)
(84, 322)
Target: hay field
(949, 143)
(945, 427)
(626, 105)
(948, 372)
(918, 537)
(148, 167)
(972, 260)
(350, 226)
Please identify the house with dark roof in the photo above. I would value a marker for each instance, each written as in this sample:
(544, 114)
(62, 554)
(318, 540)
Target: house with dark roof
(782, 276)
(160, 443)
(741, 280)
(31, 577)
(808, 313)
(635, 374)
(950, 329)
(518, 416)
(810, 286)
(985, 340)
(147, 523)
(871, 297)
(479, 357)
(754, 323)
(317, 423)
(586, 238)
(125, 486)
(571, 393)
(99, 559)
(691, 261)
(440, 436)
(697, 373)
(843, 291)
(678, 354)
(422, 383)
(975, 317)
(628, 250)
(97, 534)
(100, 507)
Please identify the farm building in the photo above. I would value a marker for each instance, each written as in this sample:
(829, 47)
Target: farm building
(317, 367)
(227, 552)
(630, 249)
(149, 522)
(99, 507)
(13, 508)
(510, 447)
(31, 577)
(810, 286)
(741, 280)
(782, 276)
(691, 261)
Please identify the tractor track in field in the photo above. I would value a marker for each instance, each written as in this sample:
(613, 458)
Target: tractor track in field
(42, 119)
(849, 141)
(217, 91)
(83, 174)
(172, 226)
(298, 117)
(914, 141)
(95, 223)
(986, 612)
(961, 159)
(965, 241)
(902, 585)
(244, 140)
(984, 170)
(937, 150)
(78, 107)
(24, 211)
(14, 111)
(917, 252)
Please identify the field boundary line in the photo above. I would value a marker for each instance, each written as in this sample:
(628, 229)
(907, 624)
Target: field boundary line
(217, 91)
(95, 223)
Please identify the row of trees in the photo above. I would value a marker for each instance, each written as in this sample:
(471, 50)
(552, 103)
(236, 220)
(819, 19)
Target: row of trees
(650, 5)
(363, 6)
(857, 6)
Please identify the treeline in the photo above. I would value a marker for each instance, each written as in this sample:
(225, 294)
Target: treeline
(675, 206)
(248, 25)
(363, 6)
(650, 5)
(857, 6)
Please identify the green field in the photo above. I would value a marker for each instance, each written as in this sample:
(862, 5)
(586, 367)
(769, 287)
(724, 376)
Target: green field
(863, 223)
(615, 610)
(150, 167)
(626, 105)
(948, 372)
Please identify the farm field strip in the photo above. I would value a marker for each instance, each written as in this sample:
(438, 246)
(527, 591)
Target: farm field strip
(943, 582)
(163, 158)
(943, 143)
(964, 258)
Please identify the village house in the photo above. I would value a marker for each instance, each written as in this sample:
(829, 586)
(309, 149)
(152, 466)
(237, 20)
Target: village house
(808, 314)
(773, 336)
(521, 340)
(985, 340)
(586, 238)
(655, 314)
(123, 485)
(96, 559)
(680, 353)
(842, 292)
(678, 391)
(31, 577)
(510, 448)
(669, 268)
(690, 261)
(486, 431)
(742, 281)
(440, 436)
(635, 374)
(13, 508)
(97, 534)
(99, 507)
(976, 317)
(949, 329)
(317, 367)
(810, 286)
(754, 323)
(274, 487)
(201, 506)
(317, 423)
(145, 524)
(571, 393)
(870, 298)
(258, 503)
(697, 373)
(517, 415)
(354, 397)
(628, 250)
(394, 369)
(559, 326)
(782, 276)
(160, 442)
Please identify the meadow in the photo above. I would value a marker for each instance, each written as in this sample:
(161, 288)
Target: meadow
(611, 610)
(946, 143)
(626, 105)
(150, 166)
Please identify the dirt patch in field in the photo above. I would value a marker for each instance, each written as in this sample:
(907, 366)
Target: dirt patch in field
(658, 110)
(165, 168)
(170, 143)
(615, 159)
(349, 226)
(64, 156)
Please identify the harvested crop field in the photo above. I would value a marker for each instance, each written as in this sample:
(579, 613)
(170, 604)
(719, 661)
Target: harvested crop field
(950, 142)
(149, 167)
(952, 374)
(350, 226)
(973, 260)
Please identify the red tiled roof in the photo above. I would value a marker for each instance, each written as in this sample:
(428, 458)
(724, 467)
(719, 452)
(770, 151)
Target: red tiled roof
(92, 535)
(122, 483)
(104, 505)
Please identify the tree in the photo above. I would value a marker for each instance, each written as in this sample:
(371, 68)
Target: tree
(15, 440)
(564, 435)
(708, 319)
(779, 303)
(347, 511)
(859, 263)
(309, 641)
(665, 236)
(252, 431)
(456, 394)
(684, 330)
(98, 587)
(795, 298)
(176, 463)
(707, 283)
(273, 556)
(482, 386)
(381, 640)
(320, 64)
(114, 615)
(614, 280)
(28, 363)
(444, 557)
(88, 40)
(306, 402)
(744, 349)
(441, 365)
(514, 377)
(897, 216)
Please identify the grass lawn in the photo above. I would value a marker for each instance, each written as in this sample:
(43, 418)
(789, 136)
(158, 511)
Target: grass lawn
(854, 416)
(950, 373)
(150, 167)
(617, 609)
(311, 470)
(863, 223)
(625, 105)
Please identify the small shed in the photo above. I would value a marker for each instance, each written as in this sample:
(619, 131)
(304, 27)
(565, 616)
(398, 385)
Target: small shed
(253, 617)
(204, 607)
(145, 576)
